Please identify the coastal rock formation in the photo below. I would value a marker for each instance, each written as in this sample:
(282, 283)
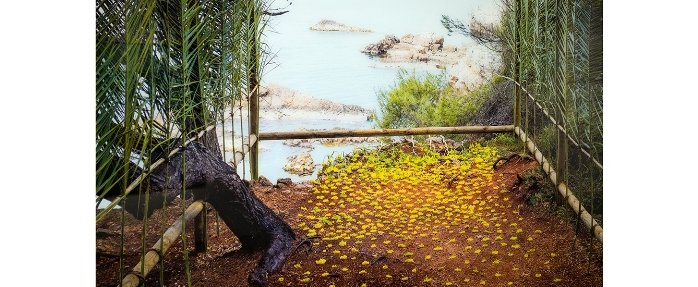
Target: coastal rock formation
(430, 41)
(308, 143)
(380, 48)
(467, 66)
(332, 26)
(413, 48)
(277, 102)
(301, 164)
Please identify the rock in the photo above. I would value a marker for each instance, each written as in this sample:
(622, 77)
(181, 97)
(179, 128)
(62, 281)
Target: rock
(407, 38)
(421, 57)
(452, 82)
(263, 181)
(434, 47)
(440, 144)
(283, 182)
(433, 140)
(305, 143)
(300, 164)
(427, 40)
(381, 48)
(332, 26)
(450, 48)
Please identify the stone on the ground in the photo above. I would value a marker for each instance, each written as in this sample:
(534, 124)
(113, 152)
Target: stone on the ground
(263, 181)
(301, 164)
(283, 182)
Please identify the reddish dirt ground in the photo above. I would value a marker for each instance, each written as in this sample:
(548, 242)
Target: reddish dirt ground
(547, 258)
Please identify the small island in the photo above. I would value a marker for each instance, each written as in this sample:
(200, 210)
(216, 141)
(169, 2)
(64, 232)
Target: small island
(468, 66)
(333, 26)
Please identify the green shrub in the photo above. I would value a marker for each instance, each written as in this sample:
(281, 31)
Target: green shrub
(505, 143)
(420, 101)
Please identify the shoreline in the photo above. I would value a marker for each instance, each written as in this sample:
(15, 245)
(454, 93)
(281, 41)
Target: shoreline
(467, 65)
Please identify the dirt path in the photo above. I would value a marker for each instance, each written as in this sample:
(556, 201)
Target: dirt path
(395, 219)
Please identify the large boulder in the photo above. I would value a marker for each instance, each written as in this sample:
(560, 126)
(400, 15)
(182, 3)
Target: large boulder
(382, 47)
(301, 164)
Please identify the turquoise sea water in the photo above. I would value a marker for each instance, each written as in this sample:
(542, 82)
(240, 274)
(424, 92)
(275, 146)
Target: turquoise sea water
(329, 65)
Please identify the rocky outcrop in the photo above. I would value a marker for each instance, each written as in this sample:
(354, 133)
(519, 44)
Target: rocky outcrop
(332, 26)
(301, 164)
(411, 48)
(308, 143)
(277, 102)
(382, 47)
(467, 66)
(430, 41)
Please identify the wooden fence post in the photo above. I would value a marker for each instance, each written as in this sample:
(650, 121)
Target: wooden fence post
(254, 96)
(201, 231)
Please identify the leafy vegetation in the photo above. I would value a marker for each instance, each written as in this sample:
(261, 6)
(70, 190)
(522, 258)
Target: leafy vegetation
(505, 143)
(166, 70)
(428, 100)
(555, 50)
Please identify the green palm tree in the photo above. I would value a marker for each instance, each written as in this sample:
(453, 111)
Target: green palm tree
(165, 71)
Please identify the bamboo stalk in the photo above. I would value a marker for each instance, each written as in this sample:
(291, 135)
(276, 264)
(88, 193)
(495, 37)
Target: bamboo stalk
(572, 200)
(384, 132)
(517, 51)
(151, 258)
(141, 177)
(254, 93)
(240, 155)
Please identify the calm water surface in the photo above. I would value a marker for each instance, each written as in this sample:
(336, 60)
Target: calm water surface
(329, 65)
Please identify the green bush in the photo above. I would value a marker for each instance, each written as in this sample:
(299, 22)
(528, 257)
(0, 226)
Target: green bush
(420, 101)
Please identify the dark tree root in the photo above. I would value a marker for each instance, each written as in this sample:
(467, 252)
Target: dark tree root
(206, 176)
(305, 241)
(379, 259)
(272, 260)
(505, 159)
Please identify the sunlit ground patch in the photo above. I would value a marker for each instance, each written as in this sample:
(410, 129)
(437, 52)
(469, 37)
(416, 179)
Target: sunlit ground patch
(389, 216)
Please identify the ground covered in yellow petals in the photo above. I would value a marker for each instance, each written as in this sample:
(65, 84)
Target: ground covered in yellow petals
(410, 216)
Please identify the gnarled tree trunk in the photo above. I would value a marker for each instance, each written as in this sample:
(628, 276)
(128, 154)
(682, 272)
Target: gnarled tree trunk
(206, 176)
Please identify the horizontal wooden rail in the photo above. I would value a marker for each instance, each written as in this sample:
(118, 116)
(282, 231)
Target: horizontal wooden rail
(564, 190)
(152, 258)
(383, 132)
(144, 175)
